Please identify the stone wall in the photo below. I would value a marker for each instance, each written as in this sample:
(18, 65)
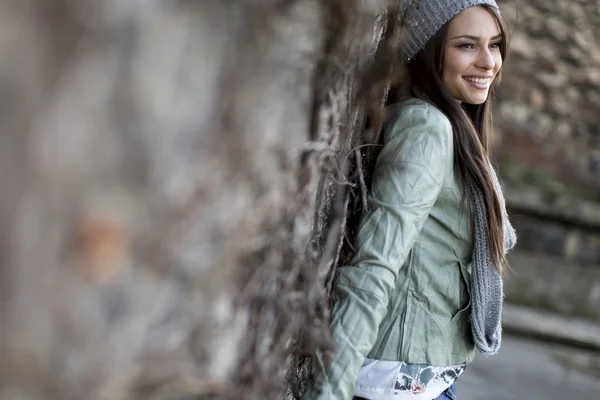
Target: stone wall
(548, 151)
(548, 108)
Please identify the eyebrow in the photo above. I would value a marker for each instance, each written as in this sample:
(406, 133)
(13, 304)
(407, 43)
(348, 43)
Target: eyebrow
(498, 36)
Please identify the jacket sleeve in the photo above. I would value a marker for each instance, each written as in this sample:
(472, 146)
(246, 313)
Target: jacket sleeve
(408, 178)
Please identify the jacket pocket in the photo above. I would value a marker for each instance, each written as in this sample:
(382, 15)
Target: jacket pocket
(464, 292)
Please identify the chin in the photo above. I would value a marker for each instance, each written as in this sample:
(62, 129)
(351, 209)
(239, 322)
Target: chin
(476, 102)
(476, 99)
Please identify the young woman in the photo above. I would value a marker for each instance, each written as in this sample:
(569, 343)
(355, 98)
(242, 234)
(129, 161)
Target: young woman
(424, 288)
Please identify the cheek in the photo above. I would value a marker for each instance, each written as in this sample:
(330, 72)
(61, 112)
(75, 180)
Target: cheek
(498, 61)
(455, 64)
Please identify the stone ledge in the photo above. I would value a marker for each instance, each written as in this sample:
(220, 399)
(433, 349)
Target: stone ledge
(550, 326)
(553, 284)
(575, 211)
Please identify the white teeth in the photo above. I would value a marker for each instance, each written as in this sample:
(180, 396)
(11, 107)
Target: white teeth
(479, 80)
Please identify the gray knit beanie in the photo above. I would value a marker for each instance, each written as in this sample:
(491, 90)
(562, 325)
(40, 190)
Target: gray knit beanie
(428, 16)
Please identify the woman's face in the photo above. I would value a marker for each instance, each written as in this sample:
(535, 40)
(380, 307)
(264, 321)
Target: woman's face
(472, 55)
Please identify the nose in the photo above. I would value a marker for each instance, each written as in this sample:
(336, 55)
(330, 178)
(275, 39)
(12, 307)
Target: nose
(485, 59)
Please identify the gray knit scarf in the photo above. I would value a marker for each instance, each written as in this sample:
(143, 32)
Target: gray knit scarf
(486, 282)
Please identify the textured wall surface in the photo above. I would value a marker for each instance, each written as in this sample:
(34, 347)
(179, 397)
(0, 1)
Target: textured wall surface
(170, 211)
(549, 102)
(548, 112)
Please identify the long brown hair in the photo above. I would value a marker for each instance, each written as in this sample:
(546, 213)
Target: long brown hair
(471, 125)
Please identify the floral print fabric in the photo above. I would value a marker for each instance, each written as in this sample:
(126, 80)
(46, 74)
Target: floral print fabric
(395, 380)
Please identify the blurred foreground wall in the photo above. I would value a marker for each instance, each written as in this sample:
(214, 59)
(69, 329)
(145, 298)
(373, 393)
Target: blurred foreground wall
(170, 211)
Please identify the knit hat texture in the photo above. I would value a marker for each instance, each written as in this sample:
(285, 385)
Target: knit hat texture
(428, 16)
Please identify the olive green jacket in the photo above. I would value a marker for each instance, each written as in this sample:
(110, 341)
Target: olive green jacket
(406, 294)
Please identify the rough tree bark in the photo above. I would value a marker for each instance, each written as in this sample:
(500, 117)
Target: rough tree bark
(174, 179)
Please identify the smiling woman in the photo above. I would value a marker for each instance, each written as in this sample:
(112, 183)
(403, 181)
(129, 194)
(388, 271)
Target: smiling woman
(424, 288)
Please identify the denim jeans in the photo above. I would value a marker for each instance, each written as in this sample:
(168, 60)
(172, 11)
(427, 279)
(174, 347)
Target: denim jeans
(448, 394)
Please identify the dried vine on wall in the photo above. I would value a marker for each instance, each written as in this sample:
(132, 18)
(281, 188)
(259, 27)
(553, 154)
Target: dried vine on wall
(340, 206)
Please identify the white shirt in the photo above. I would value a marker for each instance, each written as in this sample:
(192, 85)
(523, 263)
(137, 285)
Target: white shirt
(397, 380)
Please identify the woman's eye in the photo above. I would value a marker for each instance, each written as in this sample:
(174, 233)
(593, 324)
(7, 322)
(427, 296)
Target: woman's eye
(467, 46)
(496, 45)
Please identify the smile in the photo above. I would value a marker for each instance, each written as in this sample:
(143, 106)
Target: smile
(478, 80)
(478, 83)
